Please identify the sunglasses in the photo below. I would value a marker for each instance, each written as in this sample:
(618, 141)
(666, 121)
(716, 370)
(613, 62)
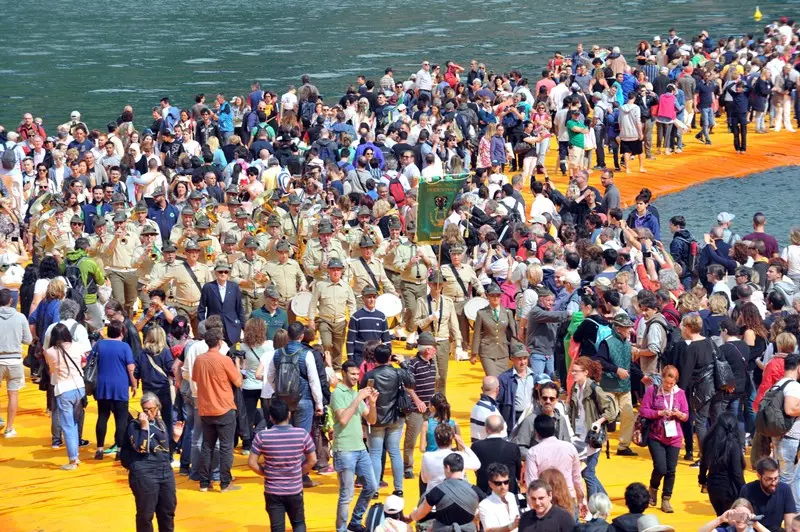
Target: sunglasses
(549, 399)
(500, 482)
(42, 170)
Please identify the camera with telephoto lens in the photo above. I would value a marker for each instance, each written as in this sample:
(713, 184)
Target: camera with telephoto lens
(236, 353)
(596, 438)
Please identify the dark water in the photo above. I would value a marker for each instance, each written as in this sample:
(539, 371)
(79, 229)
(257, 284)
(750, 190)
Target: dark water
(772, 192)
(97, 56)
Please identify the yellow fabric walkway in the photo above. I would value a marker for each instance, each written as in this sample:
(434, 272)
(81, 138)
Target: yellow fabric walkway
(39, 496)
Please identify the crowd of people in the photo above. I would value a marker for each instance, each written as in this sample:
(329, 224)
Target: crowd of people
(264, 250)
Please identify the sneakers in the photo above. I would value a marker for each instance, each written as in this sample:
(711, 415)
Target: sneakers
(83, 443)
(111, 450)
(398, 493)
(69, 467)
(204, 488)
(184, 471)
(356, 527)
(56, 445)
(10, 433)
(230, 487)
(695, 464)
(626, 452)
(408, 474)
(99, 454)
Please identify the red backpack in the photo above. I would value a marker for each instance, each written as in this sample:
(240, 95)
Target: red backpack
(397, 191)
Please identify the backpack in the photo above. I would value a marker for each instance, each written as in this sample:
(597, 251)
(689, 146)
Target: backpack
(692, 256)
(326, 153)
(307, 110)
(78, 290)
(397, 191)
(374, 517)
(126, 450)
(771, 420)
(724, 379)
(603, 332)
(288, 378)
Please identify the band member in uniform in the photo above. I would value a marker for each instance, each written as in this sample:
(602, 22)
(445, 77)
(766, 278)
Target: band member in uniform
(49, 231)
(494, 330)
(270, 312)
(364, 227)
(248, 273)
(319, 252)
(368, 271)
(388, 250)
(291, 220)
(268, 240)
(436, 314)
(189, 276)
(287, 277)
(240, 230)
(145, 257)
(184, 231)
(223, 298)
(413, 263)
(229, 251)
(120, 271)
(98, 241)
(459, 282)
(331, 302)
(366, 324)
(140, 221)
(160, 268)
(337, 220)
(66, 242)
(209, 245)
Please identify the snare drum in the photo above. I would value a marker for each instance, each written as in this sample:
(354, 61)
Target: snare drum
(389, 304)
(301, 303)
(472, 307)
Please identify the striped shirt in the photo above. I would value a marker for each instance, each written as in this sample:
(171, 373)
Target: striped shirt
(485, 407)
(283, 447)
(424, 373)
(366, 325)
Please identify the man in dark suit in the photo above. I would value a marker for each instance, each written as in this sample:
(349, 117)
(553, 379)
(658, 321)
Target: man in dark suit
(494, 449)
(715, 252)
(223, 298)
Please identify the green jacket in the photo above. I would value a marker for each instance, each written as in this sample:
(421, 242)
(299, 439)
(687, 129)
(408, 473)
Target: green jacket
(619, 351)
(87, 267)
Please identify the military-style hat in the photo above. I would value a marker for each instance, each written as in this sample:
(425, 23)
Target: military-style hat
(493, 290)
(241, 213)
(366, 242)
(118, 198)
(426, 339)
(272, 292)
(325, 228)
(337, 213)
(436, 277)
(394, 223)
(250, 242)
(119, 217)
(294, 199)
(191, 245)
(159, 191)
(368, 291)
(234, 201)
(168, 247)
(149, 230)
(232, 189)
(518, 351)
(196, 195)
(273, 221)
(229, 239)
(140, 207)
(222, 266)
(456, 249)
(202, 223)
(335, 263)
(76, 220)
(364, 211)
(283, 245)
(187, 211)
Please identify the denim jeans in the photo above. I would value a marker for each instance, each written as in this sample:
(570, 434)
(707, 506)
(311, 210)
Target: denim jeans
(187, 409)
(589, 475)
(69, 407)
(391, 435)
(348, 466)
(785, 452)
(541, 364)
(197, 445)
(707, 120)
(303, 417)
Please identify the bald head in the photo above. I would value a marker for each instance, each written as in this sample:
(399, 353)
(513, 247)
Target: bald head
(495, 424)
(490, 386)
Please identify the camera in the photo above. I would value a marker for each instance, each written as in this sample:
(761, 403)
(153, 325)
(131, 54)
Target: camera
(596, 438)
(236, 353)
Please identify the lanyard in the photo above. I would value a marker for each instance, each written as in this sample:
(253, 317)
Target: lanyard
(430, 311)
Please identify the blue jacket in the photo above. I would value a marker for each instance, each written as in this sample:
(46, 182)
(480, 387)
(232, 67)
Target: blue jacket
(648, 221)
(165, 219)
(91, 209)
(225, 117)
(229, 310)
(629, 85)
(505, 397)
(706, 258)
(497, 150)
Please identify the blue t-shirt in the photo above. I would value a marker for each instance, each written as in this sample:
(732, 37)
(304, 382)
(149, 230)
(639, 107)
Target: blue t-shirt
(772, 507)
(112, 370)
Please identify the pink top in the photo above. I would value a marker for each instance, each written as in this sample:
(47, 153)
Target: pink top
(666, 106)
(552, 453)
(655, 400)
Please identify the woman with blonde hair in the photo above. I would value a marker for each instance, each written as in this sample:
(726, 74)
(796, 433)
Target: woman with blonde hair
(738, 519)
(154, 371)
(485, 147)
(256, 347)
(718, 307)
(364, 115)
(219, 155)
(534, 275)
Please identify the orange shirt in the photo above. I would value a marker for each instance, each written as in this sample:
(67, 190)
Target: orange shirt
(215, 376)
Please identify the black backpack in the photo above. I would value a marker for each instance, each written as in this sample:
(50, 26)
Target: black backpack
(771, 419)
(288, 377)
(307, 110)
(374, 517)
(78, 289)
(126, 451)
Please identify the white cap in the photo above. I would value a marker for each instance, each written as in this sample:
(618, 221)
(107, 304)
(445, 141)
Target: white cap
(657, 38)
(75, 115)
(393, 504)
(725, 217)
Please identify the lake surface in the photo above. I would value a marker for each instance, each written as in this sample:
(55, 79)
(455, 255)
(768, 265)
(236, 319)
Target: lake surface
(98, 56)
(772, 192)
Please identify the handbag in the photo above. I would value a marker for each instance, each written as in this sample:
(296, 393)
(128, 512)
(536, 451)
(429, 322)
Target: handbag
(724, 379)
(403, 403)
(641, 428)
(90, 370)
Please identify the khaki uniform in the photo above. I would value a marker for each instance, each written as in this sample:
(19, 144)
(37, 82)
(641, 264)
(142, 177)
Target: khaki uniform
(355, 234)
(232, 257)
(314, 257)
(414, 278)
(97, 249)
(120, 270)
(224, 222)
(360, 277)
(492, 340)
(266, 246)
(176, 236)
(289, 226)
(244, 272)
(49, 233)
(442, 327)
(387, 252)
(187, 293)
(331, 303)
(287, 278)
(136, 228)
(144, 265)
(66, 242)
(212, 247)
(159, 270)
(342, 238)
(452, 289)
(238, 233)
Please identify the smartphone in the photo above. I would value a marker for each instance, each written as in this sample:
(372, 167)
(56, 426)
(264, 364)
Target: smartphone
(15, 239)
(370, 383)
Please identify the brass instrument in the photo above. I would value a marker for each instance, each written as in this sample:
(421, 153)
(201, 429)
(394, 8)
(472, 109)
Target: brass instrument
(209, 254)
(211, 213)
(43, 204)
(155, 254)
(301, 241)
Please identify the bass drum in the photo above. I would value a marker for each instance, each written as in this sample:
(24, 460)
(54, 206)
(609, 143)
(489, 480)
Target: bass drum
(472, 307)
(389, 304)
(301, 303)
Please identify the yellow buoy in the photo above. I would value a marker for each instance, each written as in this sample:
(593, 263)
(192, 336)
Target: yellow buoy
(757, 15)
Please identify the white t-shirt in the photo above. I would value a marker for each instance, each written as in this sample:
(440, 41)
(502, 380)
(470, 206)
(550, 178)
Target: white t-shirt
(792, 390)
(267, 391)
(288, 101)
(495, 513)
(80, 340)
(791, 255)
(40, 288)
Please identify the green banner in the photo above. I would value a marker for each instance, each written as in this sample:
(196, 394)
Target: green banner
(434, 203)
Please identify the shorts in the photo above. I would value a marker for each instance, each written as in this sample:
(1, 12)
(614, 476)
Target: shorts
(575, 156)
(15, 375)
(634, 147)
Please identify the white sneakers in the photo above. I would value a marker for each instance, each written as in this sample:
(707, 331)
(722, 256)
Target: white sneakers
(10, 433)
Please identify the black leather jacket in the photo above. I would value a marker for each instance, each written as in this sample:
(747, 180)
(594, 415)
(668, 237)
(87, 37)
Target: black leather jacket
(387, 381)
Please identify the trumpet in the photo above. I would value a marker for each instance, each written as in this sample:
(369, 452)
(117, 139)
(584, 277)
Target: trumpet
(211, 212)
(155, 254)
(210, 254)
